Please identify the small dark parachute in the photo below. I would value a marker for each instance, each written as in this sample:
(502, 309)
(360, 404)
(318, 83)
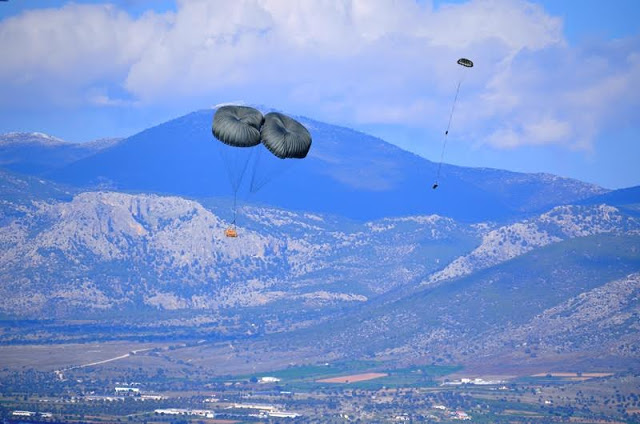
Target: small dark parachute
(467, 63)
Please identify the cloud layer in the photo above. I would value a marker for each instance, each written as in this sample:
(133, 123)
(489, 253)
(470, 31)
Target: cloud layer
(347, 61)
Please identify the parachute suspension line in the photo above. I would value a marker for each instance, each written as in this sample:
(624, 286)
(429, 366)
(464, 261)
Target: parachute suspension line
(267, 168)
(253, 185)
(446, 134)
(236, 163)
(235, 208)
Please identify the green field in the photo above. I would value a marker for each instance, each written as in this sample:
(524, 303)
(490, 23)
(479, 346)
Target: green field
(305, 377)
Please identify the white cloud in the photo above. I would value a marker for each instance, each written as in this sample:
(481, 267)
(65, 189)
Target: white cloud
(52, 53)
(350, 61)
(544, 131)
(563, 96)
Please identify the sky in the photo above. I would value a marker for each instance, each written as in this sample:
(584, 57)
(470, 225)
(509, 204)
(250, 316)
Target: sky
(555, 87)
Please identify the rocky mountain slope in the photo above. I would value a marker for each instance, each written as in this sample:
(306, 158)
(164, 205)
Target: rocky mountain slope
(103, 249)
(561, 223)
(605, 319)
(18, 194)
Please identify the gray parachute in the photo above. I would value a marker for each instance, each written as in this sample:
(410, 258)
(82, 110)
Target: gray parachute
(238, 126)
(285, 137)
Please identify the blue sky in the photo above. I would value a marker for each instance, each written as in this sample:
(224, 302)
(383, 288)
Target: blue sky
(555, 86)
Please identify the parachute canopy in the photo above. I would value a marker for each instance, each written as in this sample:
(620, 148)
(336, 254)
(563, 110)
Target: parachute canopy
(285, 137)
(238, 126)
(465, 62)
(242, 126)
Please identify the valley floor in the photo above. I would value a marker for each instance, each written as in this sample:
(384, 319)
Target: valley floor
(216, 383)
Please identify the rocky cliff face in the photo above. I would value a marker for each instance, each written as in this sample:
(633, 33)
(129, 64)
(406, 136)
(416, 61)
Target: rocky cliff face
(108, 248)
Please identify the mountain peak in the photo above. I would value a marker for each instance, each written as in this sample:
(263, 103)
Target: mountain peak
(14, 138)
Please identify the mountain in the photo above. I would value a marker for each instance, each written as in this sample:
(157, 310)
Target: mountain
(346, 173)
(346, 254)
(37, 153)
(103, 250)
(101, 143)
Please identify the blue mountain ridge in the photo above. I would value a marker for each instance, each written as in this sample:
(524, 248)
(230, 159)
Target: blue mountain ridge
(37, 153)
(347, 173)
(620, 197)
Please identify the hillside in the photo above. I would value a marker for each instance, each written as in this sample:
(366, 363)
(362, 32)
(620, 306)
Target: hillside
(570, 300)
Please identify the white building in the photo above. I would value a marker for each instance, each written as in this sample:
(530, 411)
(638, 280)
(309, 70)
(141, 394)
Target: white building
(269, 380)
(282, 414)
(152, 397)
(461, 415)
(23, 414)
(132, 390)
(253, 406)
(180, 411)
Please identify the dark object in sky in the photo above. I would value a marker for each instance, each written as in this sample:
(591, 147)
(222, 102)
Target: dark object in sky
(285, 137)
(238, 126)
(465, 62)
